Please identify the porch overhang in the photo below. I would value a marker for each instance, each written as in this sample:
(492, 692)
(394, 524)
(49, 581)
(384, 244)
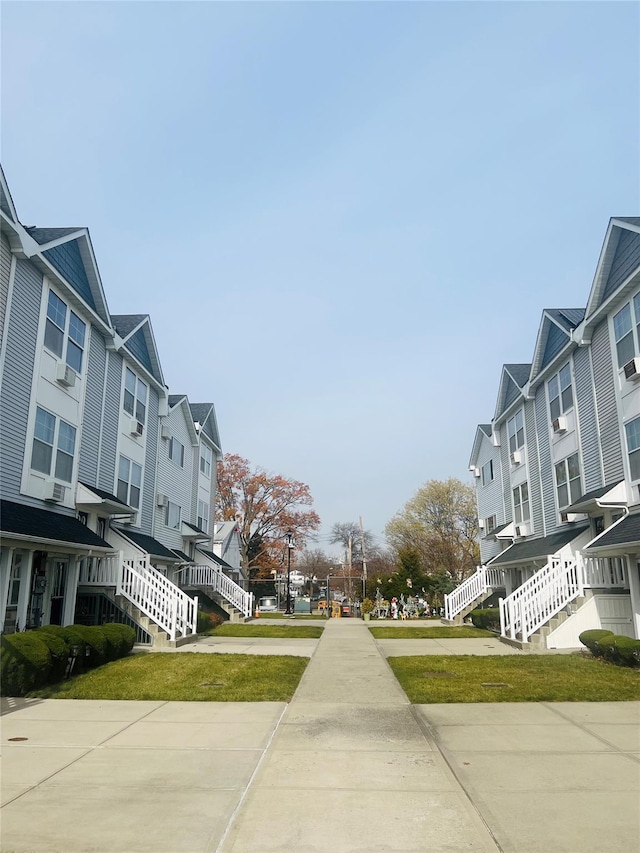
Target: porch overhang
(503, 531)
(193, 533)
(92, 499)
(148, 545)
(613, 495)
(530, 550)
(623, 537)
(222, 563)
(27, 524)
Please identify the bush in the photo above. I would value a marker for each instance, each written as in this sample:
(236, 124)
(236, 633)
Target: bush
(204, 622)
(95, 642)
(123, 635)
(621, 650)
(59, 649)
(591, 639)
(367, 605)
(489, 618)
(25, 663)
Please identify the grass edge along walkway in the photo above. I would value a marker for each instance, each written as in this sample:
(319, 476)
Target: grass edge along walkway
(435, 679)
(281, 632)
(424, 632)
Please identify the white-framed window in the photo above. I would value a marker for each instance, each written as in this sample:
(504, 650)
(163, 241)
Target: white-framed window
(490, 524)
(515, 431)
(173, 516)
(135, 396)
(632, 430)
(14, 579)
(64, 332)
(205, 460)
(129, 482)
(560, 391)
(487, 473)
(568, 485)
(626, 325)
(176, 452)
(521, 509)
(54, 443)
(203, 516)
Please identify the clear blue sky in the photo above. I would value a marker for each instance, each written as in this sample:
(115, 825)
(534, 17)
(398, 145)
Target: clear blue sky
(343, 218)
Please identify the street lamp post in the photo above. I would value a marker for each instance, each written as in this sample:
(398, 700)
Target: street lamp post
(291, 543)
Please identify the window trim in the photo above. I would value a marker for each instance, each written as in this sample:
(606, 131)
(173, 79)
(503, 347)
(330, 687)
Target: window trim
(208, 461)
(139, 406)
(568, 481)
(174, 444)
(634, 422)
(167, 519)
(129, 481)
(57, 452)
(69, 342)
(203, 515)
(562, 409)
(517, 431)
(518, 507)
(486, 481)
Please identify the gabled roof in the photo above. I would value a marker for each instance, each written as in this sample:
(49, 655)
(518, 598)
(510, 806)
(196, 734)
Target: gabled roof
(512, 382)
(625, 532)
(6, 202)
(92, 496)
(147, 543)
(619, 261)
(605, 495)
(554, 335)
(224, 529)
(185, 558)
(204, 417)
(532, 549)
(483, 431)
(45, 526)
(216, 559)
(181, 401)
(138, 339)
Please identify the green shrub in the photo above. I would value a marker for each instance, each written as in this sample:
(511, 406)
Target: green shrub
(95, 642)
(591, 639)
(204, 622)
(125, 635)
(621, 650)
(59, 649)
(488, 618)
(367, 605)
(75, 642)
(25, 663)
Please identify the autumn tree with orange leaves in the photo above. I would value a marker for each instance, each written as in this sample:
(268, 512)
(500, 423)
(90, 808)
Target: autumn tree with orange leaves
(265, 506)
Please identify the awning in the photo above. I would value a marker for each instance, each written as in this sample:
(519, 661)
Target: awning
(96, 499)
(184, 558)
(503, 531)
(622, 537)
(148, 544)
(217, 560)
(614, 494)
(534, 549)
(40, 526)
(190, 531)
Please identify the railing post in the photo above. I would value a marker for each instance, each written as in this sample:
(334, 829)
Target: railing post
(195, 615)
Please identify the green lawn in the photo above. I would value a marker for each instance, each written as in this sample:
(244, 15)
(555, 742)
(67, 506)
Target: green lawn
(433, 679)
(444, 632)
(289, 632)
(188, 677)
(273, 615)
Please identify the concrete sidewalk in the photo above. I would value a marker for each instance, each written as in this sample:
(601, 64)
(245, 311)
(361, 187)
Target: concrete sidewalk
(348, 765)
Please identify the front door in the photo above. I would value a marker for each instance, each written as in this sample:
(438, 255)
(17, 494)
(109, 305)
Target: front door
(58, 586)
(35, 611)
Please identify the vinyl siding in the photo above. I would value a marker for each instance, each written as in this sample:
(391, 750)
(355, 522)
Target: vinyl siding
(512, 392)
(606, 404)
(489, 497)
(5, 270)
(66, 259)
(544, 461)
(173, 481)
(151, 456)
(506, 478)
(110, 418)
(92, 418)
(588, 423)
(533, 468)
(556, 340)
(626, 259)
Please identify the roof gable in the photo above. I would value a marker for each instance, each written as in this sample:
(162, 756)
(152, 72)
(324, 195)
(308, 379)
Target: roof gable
(512, 383)
(483, 433)
(619, 260)
(137, 337)
(67, 260)
(204, 417)
(6, 202)
(181, 402)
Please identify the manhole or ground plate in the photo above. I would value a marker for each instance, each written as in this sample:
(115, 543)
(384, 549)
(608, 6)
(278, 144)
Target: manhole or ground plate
(495, 684)
(438, 675)
(18, 738)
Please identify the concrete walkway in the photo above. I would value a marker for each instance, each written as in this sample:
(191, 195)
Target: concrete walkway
(348, 765)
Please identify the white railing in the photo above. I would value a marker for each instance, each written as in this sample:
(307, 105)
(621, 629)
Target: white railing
(159, 599)
(545, 594)
(100, 571)
(207, 576)
(608, 572)
(475, 586)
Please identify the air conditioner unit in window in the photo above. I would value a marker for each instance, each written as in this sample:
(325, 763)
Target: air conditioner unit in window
(165, 432)
(481, 523)
(560, 424)
(131, 519)
(632, 369)
(65, 375)
(523, 529)
(136, 427)
(161, 500)
(516, 457)
(476, 472)
(54, 492)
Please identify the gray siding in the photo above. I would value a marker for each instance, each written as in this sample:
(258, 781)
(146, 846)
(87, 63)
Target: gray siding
(544, 461)
(92, 416)
(21, 335)
(626, 259)
(556, 341)
(506, 478)
(533, 468)
(512, 392)
(606, 404)
(110, 419)
(174, 481)
(489, 497)
(588, 423)
(5, 270)
(151, 457)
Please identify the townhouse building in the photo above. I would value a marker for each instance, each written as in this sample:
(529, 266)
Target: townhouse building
(90, 442)
(557, 471)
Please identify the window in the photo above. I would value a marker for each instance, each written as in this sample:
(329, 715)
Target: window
(490, 524)
(521, 511)
(83, 518)
(14, 580)
(560, 391)
(53, 436)
(205, 461)
(135, 396)
(487, 472)
(632, 430)
(623, 323)
(174, 516)
(203, 516)
(568, 484)
(176, 452)
(64, 324)
(129, 482)
(515, 430)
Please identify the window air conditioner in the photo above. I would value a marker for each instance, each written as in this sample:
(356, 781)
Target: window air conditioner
(476, 472)
(516, 457)
(136, 427)
(560, 424)
(632, 369)
(65, 375)
(481, 523)
(165, 432)
(523, 529)
(54, 492)
(131, 519)
(161, 500)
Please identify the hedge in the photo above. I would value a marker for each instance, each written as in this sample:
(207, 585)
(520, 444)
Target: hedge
(31, 659)
(488, 618)
(616, 648)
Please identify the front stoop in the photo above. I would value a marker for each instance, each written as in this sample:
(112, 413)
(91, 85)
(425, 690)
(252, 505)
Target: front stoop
(538, 640)
(459, 619)
(159, 637)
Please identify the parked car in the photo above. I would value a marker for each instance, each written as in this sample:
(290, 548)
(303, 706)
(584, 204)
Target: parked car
(268, 604)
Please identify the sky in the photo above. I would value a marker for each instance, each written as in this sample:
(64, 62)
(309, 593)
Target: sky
(342, 217)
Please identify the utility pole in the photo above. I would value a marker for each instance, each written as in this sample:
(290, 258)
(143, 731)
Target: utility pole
(364, 562)
(349, 553)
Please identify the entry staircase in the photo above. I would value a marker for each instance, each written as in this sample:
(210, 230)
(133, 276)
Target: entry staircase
(213, 581)
(472, 592)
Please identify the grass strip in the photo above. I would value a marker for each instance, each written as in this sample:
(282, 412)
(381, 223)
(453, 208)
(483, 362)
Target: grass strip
(432, 679)
(436, 632)
(289, 632)
(272, 615)
(187, 677)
